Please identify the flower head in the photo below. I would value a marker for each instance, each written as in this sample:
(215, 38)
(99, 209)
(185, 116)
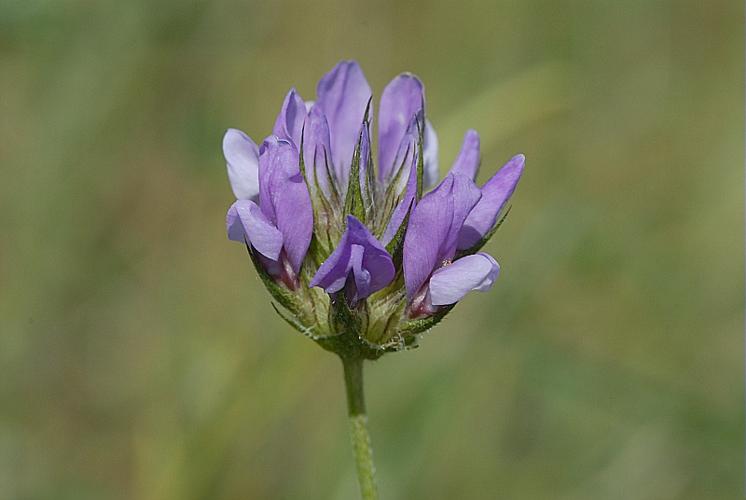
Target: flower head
(360, 257)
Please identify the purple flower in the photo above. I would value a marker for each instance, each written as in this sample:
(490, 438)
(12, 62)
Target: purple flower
(281, 225)
(323, 223)
(359, 262)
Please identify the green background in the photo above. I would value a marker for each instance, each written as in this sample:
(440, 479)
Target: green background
(140, 358)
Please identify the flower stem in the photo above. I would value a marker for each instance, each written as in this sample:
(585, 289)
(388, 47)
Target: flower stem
(361, 448)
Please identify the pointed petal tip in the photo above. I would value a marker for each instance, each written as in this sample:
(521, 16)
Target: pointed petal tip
(512, 170)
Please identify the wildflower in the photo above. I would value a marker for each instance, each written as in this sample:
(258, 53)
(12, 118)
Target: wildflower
(346, 247)
(361, 258)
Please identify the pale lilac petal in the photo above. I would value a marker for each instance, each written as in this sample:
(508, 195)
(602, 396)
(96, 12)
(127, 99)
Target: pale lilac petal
(242, 161)
(427, 232)
(289, 123)
(316, 148)
(401, 100)
(430, 156)
(361, 254)
(449, 284)
(343, 95)
(360, 274)
(495, 194)
(245, 221)
(467, 161)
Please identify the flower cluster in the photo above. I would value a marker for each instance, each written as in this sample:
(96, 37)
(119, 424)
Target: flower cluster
(357, 256)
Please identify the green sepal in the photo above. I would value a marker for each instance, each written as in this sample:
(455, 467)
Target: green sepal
(419, 325)
(291, 320)
(343, 318)
(395, 248)
(280, 293)
(479, 244)
(354, 203)
(317, 251)
(420, 155)
(391, 197)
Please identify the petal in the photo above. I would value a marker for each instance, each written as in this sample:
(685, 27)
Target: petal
(277, 160)
(284, 198)
(343, 96)
(467, 161)
(295, 219)
(495, 194)
(474, 272)
(430, 156)
(362, 254)
(316, 148)
(427, 232)
(289, 123)
(242, 158)
(332, 274)
(245, 221)
(360, 274)
(376, 259)
(401, 100)
(465, 196)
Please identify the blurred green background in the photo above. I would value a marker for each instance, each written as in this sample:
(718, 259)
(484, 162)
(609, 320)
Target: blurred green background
(139, 356)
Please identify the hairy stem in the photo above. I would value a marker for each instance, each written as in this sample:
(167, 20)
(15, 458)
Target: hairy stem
(361, 448)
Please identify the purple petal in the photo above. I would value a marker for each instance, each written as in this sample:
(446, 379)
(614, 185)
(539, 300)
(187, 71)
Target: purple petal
(361, 254)
(449, 284)
(343, 95)
(289, 123)
(401, 100)
(495, 194)
(316, 148)
(277, 159)
(332, 274)
(360, 274)
(245, 221)
(284, 198)
(428, 230)
(242, 158)
(465, 196)
(467, 161)
(430, 156)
